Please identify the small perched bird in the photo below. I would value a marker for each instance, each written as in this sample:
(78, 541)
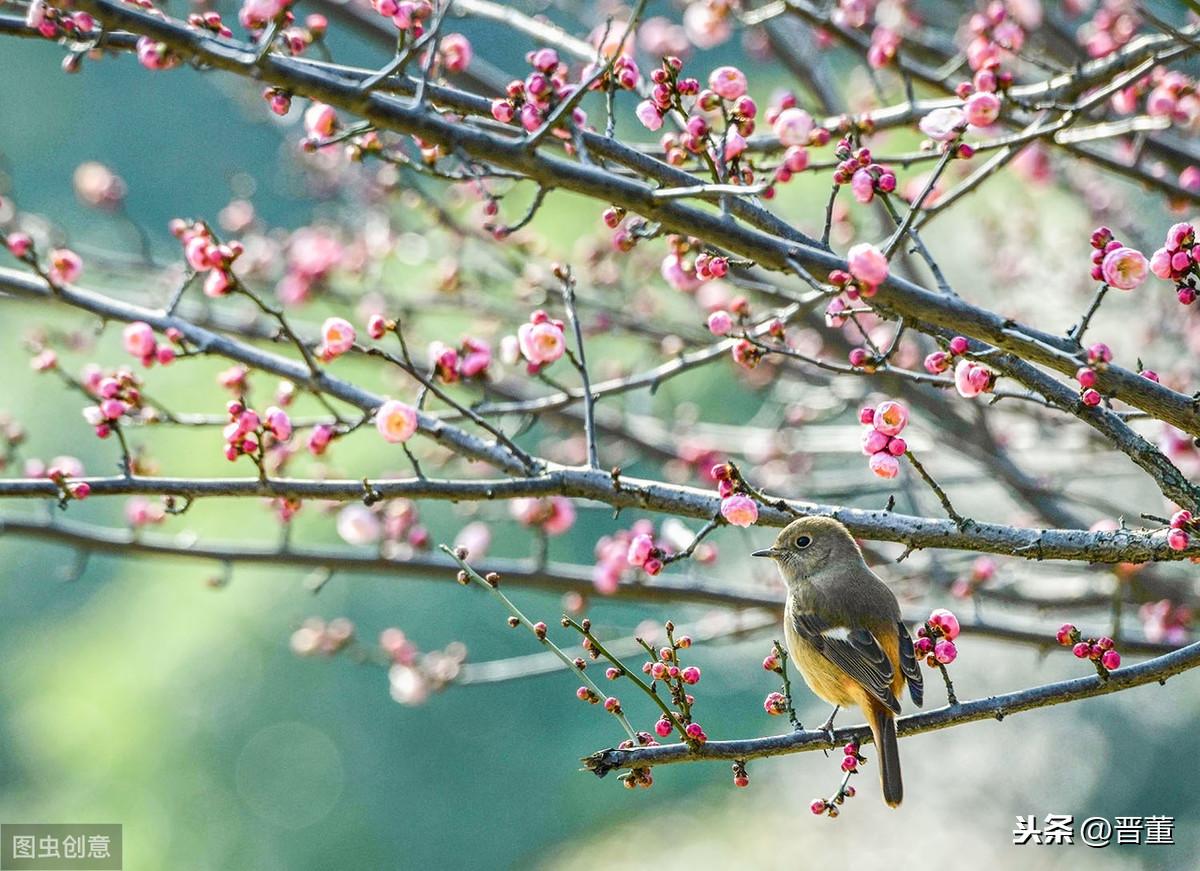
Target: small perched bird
(844, 633)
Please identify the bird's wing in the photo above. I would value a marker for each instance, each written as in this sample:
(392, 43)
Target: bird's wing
(910, 667)
(855, 651)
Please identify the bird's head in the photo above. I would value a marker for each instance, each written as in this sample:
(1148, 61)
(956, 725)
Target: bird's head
(807, 545)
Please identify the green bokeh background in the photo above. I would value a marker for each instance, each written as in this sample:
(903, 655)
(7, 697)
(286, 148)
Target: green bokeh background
(137, 694)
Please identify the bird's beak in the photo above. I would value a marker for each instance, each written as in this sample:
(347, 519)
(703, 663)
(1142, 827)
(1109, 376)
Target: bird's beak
(768, 552)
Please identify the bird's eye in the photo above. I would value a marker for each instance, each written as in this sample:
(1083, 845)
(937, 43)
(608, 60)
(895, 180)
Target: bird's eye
(803, 542)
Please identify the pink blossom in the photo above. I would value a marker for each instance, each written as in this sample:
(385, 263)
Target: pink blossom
(320, 120)
(639, 550)
(793, 126)
(541, 341)
(649, 114)
(19, 244)
(456, 52)
(890, 418)
(1124, 268)
(477, 356)
(139, 339)
(862, 185)
(740, 510)
(971, 378)
(320, 438)
(946, 621)
(884, 465)
(217, 283)
(945, 652)
(867, 263)
(396, 421)
(358, 525)
(1160, 264)
(735, 143)
(278, 422)
(562, 516)
(873, 441)
(256, 14)
(981, 109)
(65, 266)
(706, 24)
(720, 323)
(728, 82)
(337, 337)
(942, 125)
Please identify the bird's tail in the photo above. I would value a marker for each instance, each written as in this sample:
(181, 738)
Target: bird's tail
(883, 728)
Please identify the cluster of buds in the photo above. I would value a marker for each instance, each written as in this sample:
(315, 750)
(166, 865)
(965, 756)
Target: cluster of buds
(1101, 651)
(413, 674)
(1179, 261)
(530, 102)
(970, 378)
(687, 266)
(409, 16)
(941, 361)
(140, 341)
(858, 170)
(55, 23)
(141, 512)
(118, 395)
(209, 21)
(719, 118)
(1113, 26)
(993, 32)
(297, 39)
(982, 571)
(737, 506)
(825, 807)
(868, 268)
(469, 360)
(667, 93)
(935, 640)
(1174, 96)
(666, 667)
(981, 102)
(1099, 356)
(155, 55)
(60, 470)
(247, 431)
(205, 254)
(851, 758)
(393, 526)
(881, 440)
(722, 321)
(796, 131)
(1115, 263)
(1181, 524)
(638, 777)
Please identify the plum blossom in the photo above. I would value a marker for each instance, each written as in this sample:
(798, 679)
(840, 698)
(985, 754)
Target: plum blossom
(337, 337)
(867, 263)
(359, 525)
(793, 126)
(541, 340)
(942, 125)
(972, 379)
(396, 421)
(1125, 268)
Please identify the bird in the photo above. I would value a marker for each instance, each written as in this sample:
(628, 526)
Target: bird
(845, 635)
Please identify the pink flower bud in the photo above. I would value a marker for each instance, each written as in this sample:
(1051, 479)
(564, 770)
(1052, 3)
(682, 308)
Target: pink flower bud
(959, 345)
(981, 109)
(946, 621)
(690, 675)
(720, 323)
(1082, 650)
(945, 652)
(739, 510)
(728, 82)
(139, 340)
(867, 263)
(884, 465)
(1110, 660)
(663, 727)
(792, 127)
(639, 550)
(1177, 539)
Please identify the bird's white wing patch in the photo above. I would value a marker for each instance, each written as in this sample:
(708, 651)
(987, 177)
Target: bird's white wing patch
(837, 633)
